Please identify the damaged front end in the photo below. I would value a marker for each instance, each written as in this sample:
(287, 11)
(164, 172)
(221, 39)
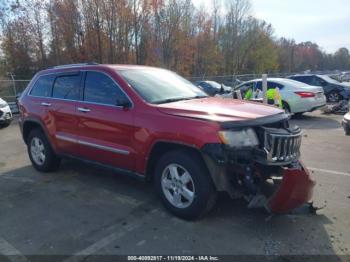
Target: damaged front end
(263, 166)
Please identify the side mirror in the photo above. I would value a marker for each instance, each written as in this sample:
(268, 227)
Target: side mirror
(123, 102)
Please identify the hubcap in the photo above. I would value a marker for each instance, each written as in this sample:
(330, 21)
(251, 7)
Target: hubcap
(177, 186)
(37, 151)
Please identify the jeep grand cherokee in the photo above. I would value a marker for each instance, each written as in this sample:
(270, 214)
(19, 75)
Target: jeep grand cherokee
(153, 124)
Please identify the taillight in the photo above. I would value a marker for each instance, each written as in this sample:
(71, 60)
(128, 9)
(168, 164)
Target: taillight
(305, 94)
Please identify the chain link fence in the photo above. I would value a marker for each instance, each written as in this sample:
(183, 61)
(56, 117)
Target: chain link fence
(233, 80)
(10, 89)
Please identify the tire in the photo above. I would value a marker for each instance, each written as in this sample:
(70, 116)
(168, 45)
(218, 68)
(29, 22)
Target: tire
(5, 124)
(204, 194)
(333, 97)
(297, 115)
(347, 132)
(40, 152)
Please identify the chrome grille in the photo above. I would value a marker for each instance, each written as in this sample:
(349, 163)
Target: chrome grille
(282, 145)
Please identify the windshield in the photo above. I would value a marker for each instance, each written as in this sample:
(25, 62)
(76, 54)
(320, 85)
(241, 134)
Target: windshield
(329, 79)
(160, 86)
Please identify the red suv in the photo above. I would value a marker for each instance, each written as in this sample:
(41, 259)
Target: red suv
(153, 124)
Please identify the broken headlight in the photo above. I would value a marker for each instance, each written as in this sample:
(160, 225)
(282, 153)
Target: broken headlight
(240, 138)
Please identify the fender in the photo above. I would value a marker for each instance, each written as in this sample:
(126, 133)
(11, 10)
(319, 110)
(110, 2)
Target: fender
(148, 162)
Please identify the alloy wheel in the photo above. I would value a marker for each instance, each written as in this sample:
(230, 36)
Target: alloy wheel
(178, 186)
(333, 97)
(37, 151)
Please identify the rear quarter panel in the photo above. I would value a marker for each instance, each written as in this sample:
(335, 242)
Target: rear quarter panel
(298, 104)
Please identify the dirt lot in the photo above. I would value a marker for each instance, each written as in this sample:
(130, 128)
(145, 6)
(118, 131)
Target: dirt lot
(85, 210)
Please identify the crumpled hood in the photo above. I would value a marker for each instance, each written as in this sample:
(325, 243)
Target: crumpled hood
(218, 109)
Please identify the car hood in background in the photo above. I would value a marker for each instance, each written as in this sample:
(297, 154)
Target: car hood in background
(346, 85)
(219, 109)
(2, 101)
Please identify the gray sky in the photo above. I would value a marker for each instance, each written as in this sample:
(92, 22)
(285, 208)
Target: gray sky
(326, 22)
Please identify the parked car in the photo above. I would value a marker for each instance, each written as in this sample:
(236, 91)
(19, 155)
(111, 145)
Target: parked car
(297, 97)
(155, 125)
(232, 83)
(346, 122)
(333, 89)
(5, 114)
(213, 88)
(345, 77)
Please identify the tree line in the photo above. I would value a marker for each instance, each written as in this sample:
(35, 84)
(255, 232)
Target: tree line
(174, 34)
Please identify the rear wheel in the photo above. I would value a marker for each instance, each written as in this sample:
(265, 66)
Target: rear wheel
(298, 114)
(40, 152)
(286, 108)
(184, 185)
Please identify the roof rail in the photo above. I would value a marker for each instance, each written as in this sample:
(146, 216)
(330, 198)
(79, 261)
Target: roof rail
(73, 65)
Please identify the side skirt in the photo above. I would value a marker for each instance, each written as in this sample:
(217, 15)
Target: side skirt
(122, 171)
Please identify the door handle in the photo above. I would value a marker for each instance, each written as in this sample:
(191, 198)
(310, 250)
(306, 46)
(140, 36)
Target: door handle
(82, 109)
(45, 104)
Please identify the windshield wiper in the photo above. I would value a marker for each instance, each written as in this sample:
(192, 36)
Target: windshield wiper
(169, 100)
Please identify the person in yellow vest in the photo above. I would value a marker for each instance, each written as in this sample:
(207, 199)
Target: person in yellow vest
(248, 94)
(274, 97)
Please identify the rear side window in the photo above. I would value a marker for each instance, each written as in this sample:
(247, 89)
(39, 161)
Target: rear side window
(67, 87)
(304, 79)
(271, 85)
(42, 86)
(100, 88)
(258, 85)
(246, 86)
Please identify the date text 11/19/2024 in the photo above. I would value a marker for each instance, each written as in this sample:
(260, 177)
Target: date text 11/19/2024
(173, 258)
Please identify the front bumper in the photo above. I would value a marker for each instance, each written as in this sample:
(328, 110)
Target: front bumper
(5, 115)
(227, 167)
(346, 123)
(295, 190)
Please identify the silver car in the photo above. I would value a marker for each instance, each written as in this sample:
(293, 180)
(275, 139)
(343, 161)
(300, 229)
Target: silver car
(297, 97)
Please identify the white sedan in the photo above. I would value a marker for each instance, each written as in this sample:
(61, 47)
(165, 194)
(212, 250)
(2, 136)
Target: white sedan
(5, 113)
(297, 97)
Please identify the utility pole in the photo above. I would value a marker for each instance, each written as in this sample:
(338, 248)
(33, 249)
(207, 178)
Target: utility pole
(264, 87)
(13, 83)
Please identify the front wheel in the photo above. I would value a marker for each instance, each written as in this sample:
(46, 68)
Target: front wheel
(333, 97)
(184, 185)
(347, 131)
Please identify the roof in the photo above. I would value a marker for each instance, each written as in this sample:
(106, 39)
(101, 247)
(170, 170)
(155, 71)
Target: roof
(83, 66)
(269, 79)
(299, 75)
